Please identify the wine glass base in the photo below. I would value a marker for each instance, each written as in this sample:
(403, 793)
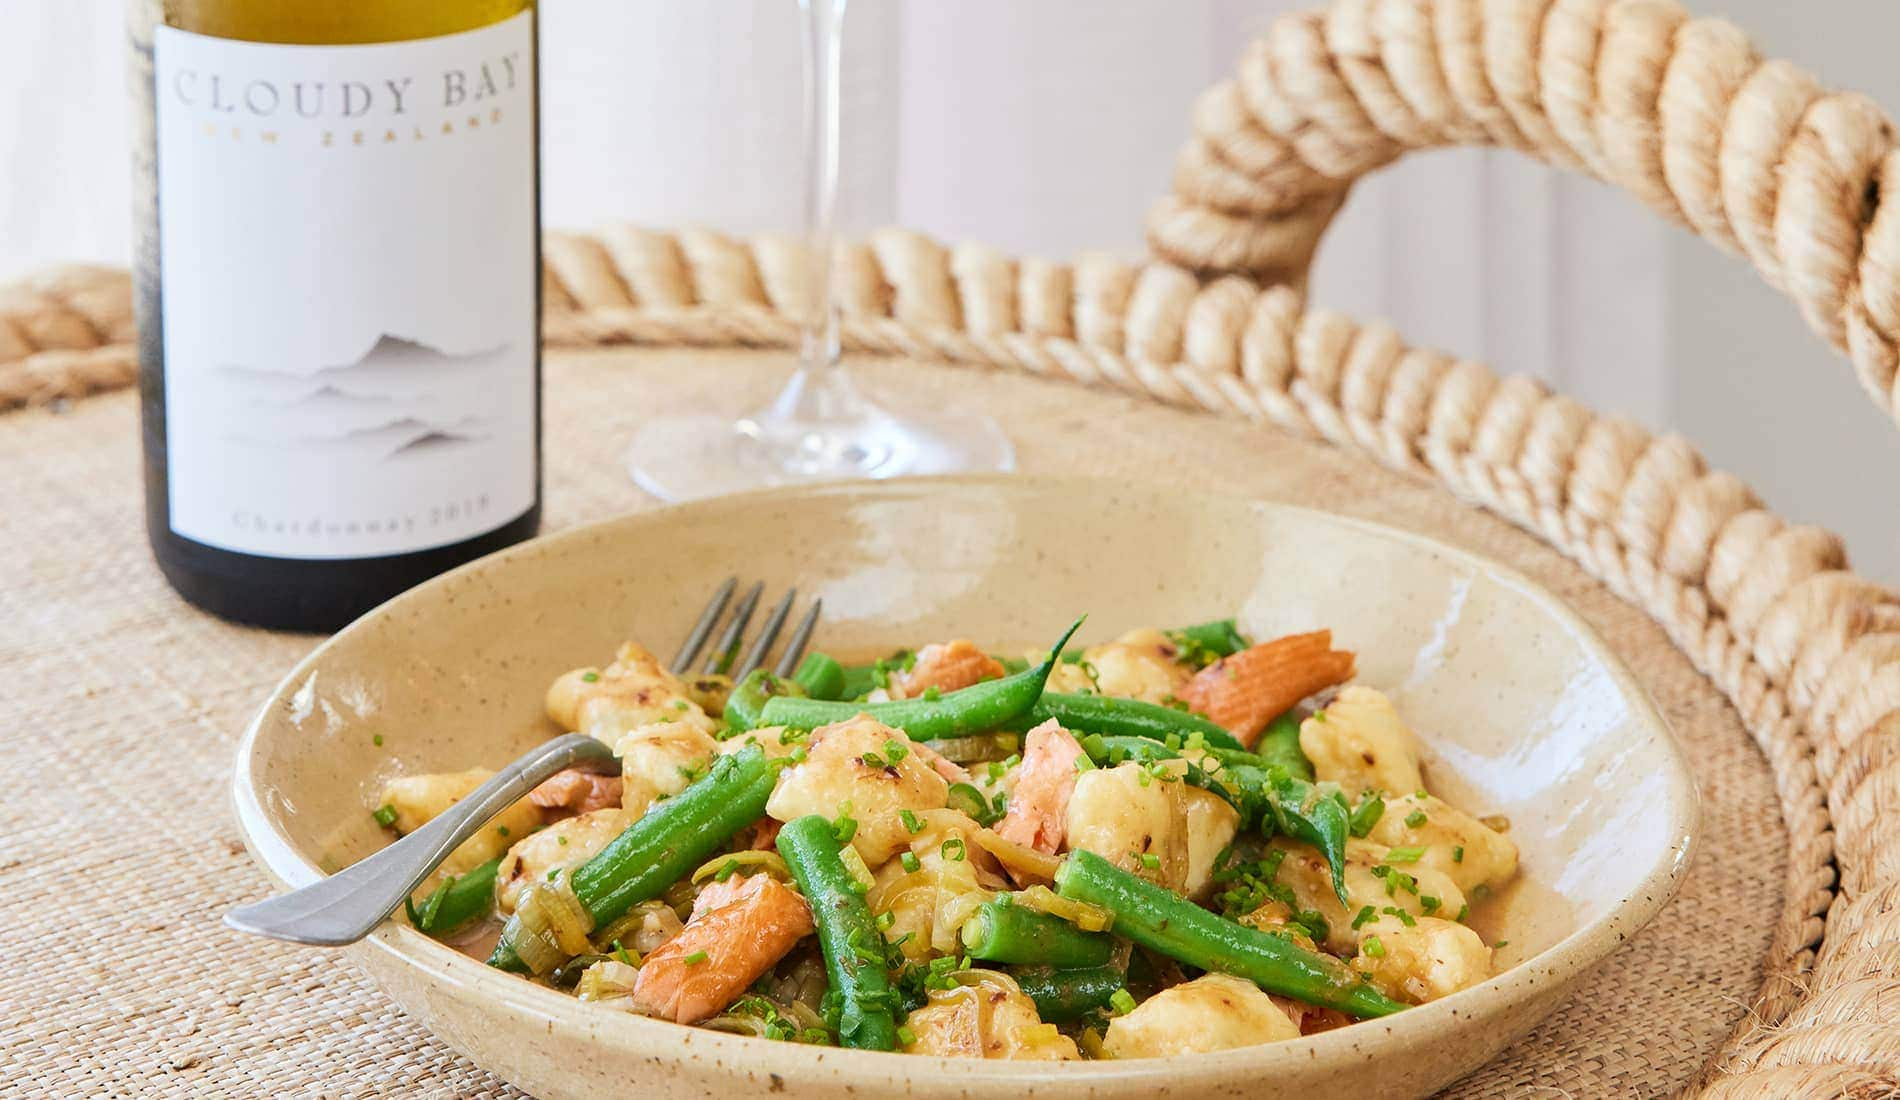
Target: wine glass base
(687, 457)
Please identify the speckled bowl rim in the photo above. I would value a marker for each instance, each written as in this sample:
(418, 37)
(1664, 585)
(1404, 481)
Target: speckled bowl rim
(1560, 963)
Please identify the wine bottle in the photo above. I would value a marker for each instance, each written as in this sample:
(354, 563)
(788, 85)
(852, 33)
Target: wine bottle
(338, 295)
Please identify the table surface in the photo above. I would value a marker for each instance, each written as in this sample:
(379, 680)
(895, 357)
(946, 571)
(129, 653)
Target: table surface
(124, 706)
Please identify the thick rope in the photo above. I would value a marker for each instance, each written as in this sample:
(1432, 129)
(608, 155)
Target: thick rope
(1751, 154)
(1808, 653)
(66, 334)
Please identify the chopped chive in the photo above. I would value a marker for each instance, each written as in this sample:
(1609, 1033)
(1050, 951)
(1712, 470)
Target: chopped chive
(1429, 903)
(1122, 1001)
(885, 920)
(695, 958)
(590, 676)
(385, 815)
(1463, 912)
(905, 1036)
(911, 824)
(1366, 915)
(909, 862)
(1414, 819)
(1150, 860)
(377, 740)
(502, 829)
(1405, 855)
(953, 848)
(1373, 948)
(1457, 853)
(1366, 815)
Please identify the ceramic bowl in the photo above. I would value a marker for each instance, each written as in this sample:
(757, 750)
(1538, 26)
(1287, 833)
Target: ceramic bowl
(1522, 709)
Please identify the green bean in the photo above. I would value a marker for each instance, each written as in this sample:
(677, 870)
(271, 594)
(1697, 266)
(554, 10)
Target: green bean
(1280, 744)
(750, 695)
(1064, 996)
(1108, 714)
(859, 681)
(974, 709)
(1111, 751)
(1161, 920)
(1210, 640)
(1297, 809)
(848, 936)
(669, 840)
(458, 902)
(821, 676)
(1263, 793)
(1202, 640)
(1002, 931)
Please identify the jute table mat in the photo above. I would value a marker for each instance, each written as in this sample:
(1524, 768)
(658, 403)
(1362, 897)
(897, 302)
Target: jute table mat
(123, 707)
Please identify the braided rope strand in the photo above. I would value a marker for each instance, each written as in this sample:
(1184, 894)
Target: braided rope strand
(66, 334)
(1683, 113)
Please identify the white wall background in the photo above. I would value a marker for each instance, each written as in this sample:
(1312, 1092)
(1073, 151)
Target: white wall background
(1047, 126)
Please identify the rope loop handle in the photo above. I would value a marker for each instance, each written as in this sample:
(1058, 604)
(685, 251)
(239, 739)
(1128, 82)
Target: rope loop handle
(1751, 154)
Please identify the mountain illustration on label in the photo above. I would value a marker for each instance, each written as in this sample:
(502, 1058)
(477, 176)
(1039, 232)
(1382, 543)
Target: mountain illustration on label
(400, 398)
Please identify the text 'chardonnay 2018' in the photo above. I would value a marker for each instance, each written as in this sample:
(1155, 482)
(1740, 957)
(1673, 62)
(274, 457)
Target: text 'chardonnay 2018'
(338, 279)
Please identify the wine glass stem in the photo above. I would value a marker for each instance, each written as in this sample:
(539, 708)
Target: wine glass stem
(818, 338)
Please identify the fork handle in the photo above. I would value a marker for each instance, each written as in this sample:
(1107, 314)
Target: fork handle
(347, 906)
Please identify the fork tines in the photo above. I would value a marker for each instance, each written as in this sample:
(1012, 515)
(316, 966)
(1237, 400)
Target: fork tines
(725, 650)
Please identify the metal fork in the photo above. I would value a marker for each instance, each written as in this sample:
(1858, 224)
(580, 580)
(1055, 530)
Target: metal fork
(349, 905)
(726, 650)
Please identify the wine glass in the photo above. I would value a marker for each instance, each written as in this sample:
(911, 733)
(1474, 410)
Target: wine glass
(819, 427)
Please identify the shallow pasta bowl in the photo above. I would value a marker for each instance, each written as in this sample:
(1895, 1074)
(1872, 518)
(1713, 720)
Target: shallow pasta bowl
(1523, 710)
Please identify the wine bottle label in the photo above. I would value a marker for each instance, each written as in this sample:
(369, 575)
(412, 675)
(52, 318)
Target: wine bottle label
(346, 241)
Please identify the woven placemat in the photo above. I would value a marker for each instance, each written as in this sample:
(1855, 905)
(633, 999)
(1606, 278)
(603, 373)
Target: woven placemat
(123, 707)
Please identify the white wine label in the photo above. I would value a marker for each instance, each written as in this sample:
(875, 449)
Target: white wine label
(346, 242)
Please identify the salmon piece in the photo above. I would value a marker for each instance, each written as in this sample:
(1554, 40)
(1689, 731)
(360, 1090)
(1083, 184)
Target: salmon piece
(717, 895)
(1310, 1019)
(946, 666)
(575, 792)
(739, 930)
(1244, 692)
(760, 836)
(1038, 811)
